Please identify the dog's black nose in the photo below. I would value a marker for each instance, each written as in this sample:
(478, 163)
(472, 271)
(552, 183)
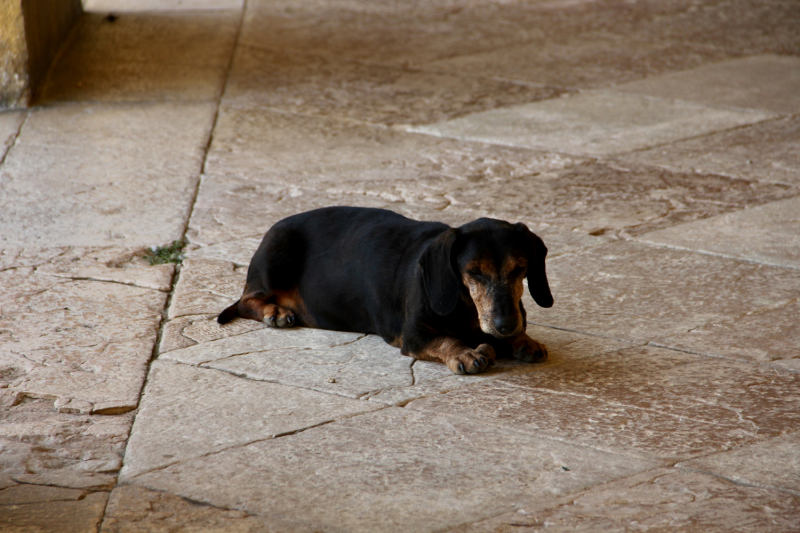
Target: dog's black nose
(505, 325)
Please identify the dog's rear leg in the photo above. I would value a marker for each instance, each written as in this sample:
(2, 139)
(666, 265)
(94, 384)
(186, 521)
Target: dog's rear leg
(274, 310)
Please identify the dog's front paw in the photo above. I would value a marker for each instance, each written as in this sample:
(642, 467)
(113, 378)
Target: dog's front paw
(526, 349)
(278, 317)
(472, 361)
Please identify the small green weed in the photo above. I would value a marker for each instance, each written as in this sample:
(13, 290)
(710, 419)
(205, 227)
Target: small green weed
(166, 254)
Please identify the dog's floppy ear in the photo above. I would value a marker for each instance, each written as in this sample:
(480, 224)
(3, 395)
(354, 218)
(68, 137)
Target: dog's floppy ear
(537, 277)
(440, 280)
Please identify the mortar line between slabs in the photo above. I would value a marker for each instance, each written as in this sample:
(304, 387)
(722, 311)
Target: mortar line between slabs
(176, 274)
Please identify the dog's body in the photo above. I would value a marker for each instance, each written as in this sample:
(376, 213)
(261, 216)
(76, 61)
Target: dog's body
(438, 293)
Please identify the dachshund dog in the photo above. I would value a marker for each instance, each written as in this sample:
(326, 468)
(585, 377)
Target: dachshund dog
(437, 293)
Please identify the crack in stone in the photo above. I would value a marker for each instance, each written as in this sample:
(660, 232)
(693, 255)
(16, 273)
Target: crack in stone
(87, 278)
(738, 482)
(261, 439)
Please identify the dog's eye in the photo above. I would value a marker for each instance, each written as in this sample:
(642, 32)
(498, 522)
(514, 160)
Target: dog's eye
(519, 271)
(475, 273)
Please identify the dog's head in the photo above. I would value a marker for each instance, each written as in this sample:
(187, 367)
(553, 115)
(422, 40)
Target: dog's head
(489, 258)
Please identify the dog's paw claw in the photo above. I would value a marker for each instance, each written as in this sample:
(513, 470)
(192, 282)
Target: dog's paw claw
(473, 361)
(280, 318)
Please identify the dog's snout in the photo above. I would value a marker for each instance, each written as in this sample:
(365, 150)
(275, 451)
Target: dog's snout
(505, 325)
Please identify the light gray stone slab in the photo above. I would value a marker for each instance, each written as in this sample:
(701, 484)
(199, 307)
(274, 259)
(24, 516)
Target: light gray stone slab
(582, 59)
(83, 343)
(766, 151)
(188, 412)
(174, 55)
(654, 403)
(238, 252)
(206, 286)
(768, 234)
(766, 82)
(261, 340)
(128, 267)
(396, 470)
(132, 509)
(771, 463)
(187, 331)
(353, 369)
(642, 293)
(128, 6)
(10, 122)
(95, 175)
(771, 335)
(593, 123)
(377, 94)
(665, 499)
(40, 446)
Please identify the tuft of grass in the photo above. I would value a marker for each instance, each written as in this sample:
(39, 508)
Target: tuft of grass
(172, 253)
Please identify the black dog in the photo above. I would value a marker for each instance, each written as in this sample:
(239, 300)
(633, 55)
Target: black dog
(437, 293)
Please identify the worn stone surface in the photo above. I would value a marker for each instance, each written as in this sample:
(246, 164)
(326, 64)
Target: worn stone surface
(206, 286)
(768, 234)
(82, 516)
(128, 267)
(132, 509)
(768, 335)
(190, 330)
(88, 175)
(772, 463)
(190, 412)
(10, 122)
(769, 83)
(593, 123)
(125, 6)
(660, 500)
(676, 406)
(41, 446)
(766, 151)
(83, 343)
(145, 57)
(300, 83)
(258, 341)
(238, 252)
(633, 291)
(336, 476)
(588, 60)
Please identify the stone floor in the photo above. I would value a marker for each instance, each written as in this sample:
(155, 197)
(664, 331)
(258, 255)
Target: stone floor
(653, 144)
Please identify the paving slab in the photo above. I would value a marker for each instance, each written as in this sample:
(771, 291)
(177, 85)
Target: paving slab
(82, 516)
(206, 286)
(96, 175)
(665, 499)
(190, 330)
(637, 292)
(746, 27)
(595, 123)
(138, 57)
(300, 83)
(771, 463)
(260, 340)
(766, 151)
(42, 447)
(10, 122)
(126, 6)
(586, 60)
(393, 469)
(656, 404)
(133, 509)
(768, 234)
(190, 412)
(81, 342)
(770, 335)
(769, 83)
